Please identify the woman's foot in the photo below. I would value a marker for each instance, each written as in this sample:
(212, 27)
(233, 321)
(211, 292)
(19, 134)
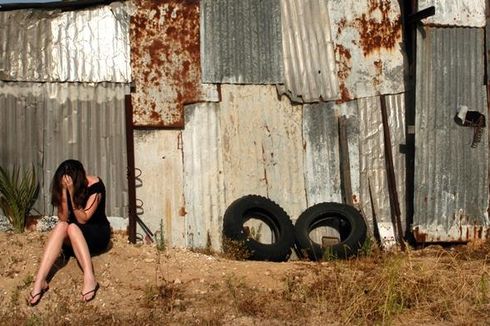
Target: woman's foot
(37, 293)
(89, 290)
(90, 295)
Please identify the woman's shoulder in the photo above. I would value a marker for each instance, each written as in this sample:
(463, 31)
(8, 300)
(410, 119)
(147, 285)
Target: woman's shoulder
(95, 182)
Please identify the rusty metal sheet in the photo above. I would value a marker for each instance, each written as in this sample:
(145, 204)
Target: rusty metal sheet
(464, 13)
(451, 176)
(368, 37)
(165, 62)
(159, 183)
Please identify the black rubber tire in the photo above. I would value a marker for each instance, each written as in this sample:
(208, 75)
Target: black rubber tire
(270, 213)
(346, 219)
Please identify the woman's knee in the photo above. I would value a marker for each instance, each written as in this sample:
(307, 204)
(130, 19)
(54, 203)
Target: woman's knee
(72, 230)
(61, 227)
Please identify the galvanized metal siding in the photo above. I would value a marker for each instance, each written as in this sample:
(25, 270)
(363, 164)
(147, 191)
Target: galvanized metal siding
(160, 183)
(368, 37)
(61, 121)
(322, 163)
(469, 13)
(395, 105)
(89, 45)
(262, 146)
(309, 58)
(241, 42)
(375, 198)
(165, 59)
(451, 180)
(204, 185)
(21, 114)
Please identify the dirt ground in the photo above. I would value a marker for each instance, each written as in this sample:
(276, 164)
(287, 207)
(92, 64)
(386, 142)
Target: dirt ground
(143, 285)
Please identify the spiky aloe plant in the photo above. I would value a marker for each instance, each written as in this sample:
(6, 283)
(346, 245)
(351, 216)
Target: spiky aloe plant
(18, 192)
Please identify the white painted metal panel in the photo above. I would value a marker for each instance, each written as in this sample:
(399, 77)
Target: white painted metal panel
(262, 146)
(368, 47)
(159, 186)
(203, 176)
(468, 13)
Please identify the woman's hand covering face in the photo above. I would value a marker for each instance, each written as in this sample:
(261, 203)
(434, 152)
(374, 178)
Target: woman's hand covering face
(67, 183)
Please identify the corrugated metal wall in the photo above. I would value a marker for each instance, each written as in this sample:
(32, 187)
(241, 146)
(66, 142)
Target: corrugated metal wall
(160, 183)
(241, 42)
(204, 176)
(309, 58)
(40, 52)
(451, 181)
(469, 13)
(89, 45)
(368, 47)
(57, 121)
(165, 62)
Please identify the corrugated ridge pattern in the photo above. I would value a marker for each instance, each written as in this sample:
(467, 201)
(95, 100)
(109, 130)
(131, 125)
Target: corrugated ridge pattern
(241, 42)
(89, 45)
(309, 59)
(451, 185)
(57, 121)
(203, 176)
(321, 155)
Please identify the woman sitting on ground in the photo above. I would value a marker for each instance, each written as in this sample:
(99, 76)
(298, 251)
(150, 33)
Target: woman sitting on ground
(82, 229)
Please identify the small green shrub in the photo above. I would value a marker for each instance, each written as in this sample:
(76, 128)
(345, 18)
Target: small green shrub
(18, 192)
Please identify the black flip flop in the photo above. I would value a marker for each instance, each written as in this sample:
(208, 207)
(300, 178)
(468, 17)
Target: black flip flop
(39, 294)
(94, 291)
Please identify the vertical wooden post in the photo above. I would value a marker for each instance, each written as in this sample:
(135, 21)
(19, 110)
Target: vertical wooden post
(390, 170)
(345, 175)
(131, 170)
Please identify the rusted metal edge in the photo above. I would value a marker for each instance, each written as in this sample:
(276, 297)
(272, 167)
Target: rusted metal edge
(462, 233)
(131, 168)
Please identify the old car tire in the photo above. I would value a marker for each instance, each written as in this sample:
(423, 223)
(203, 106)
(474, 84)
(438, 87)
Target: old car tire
(267, 211)
(344, 218)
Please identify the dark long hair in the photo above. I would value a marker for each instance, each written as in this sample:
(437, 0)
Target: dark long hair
(75, 170)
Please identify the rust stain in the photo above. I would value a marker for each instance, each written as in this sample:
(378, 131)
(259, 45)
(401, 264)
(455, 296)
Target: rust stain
(378, 73)
(182, 211)
(355, 200)
(165, 61)
(419, 236)
(344, 69)
(376, 29)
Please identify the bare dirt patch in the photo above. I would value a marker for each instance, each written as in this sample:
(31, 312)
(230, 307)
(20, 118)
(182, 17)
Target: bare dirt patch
(143, 285)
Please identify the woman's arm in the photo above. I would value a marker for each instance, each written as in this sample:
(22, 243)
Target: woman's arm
(63, 208)
(84, 214)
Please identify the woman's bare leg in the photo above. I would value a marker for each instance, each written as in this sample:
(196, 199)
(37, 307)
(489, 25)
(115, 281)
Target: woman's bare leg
(82, 254)
(51, 252)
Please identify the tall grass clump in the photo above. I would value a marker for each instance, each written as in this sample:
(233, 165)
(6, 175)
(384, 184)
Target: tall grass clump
(18, 192)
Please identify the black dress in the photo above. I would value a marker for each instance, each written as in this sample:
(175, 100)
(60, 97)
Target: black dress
(97, 230)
